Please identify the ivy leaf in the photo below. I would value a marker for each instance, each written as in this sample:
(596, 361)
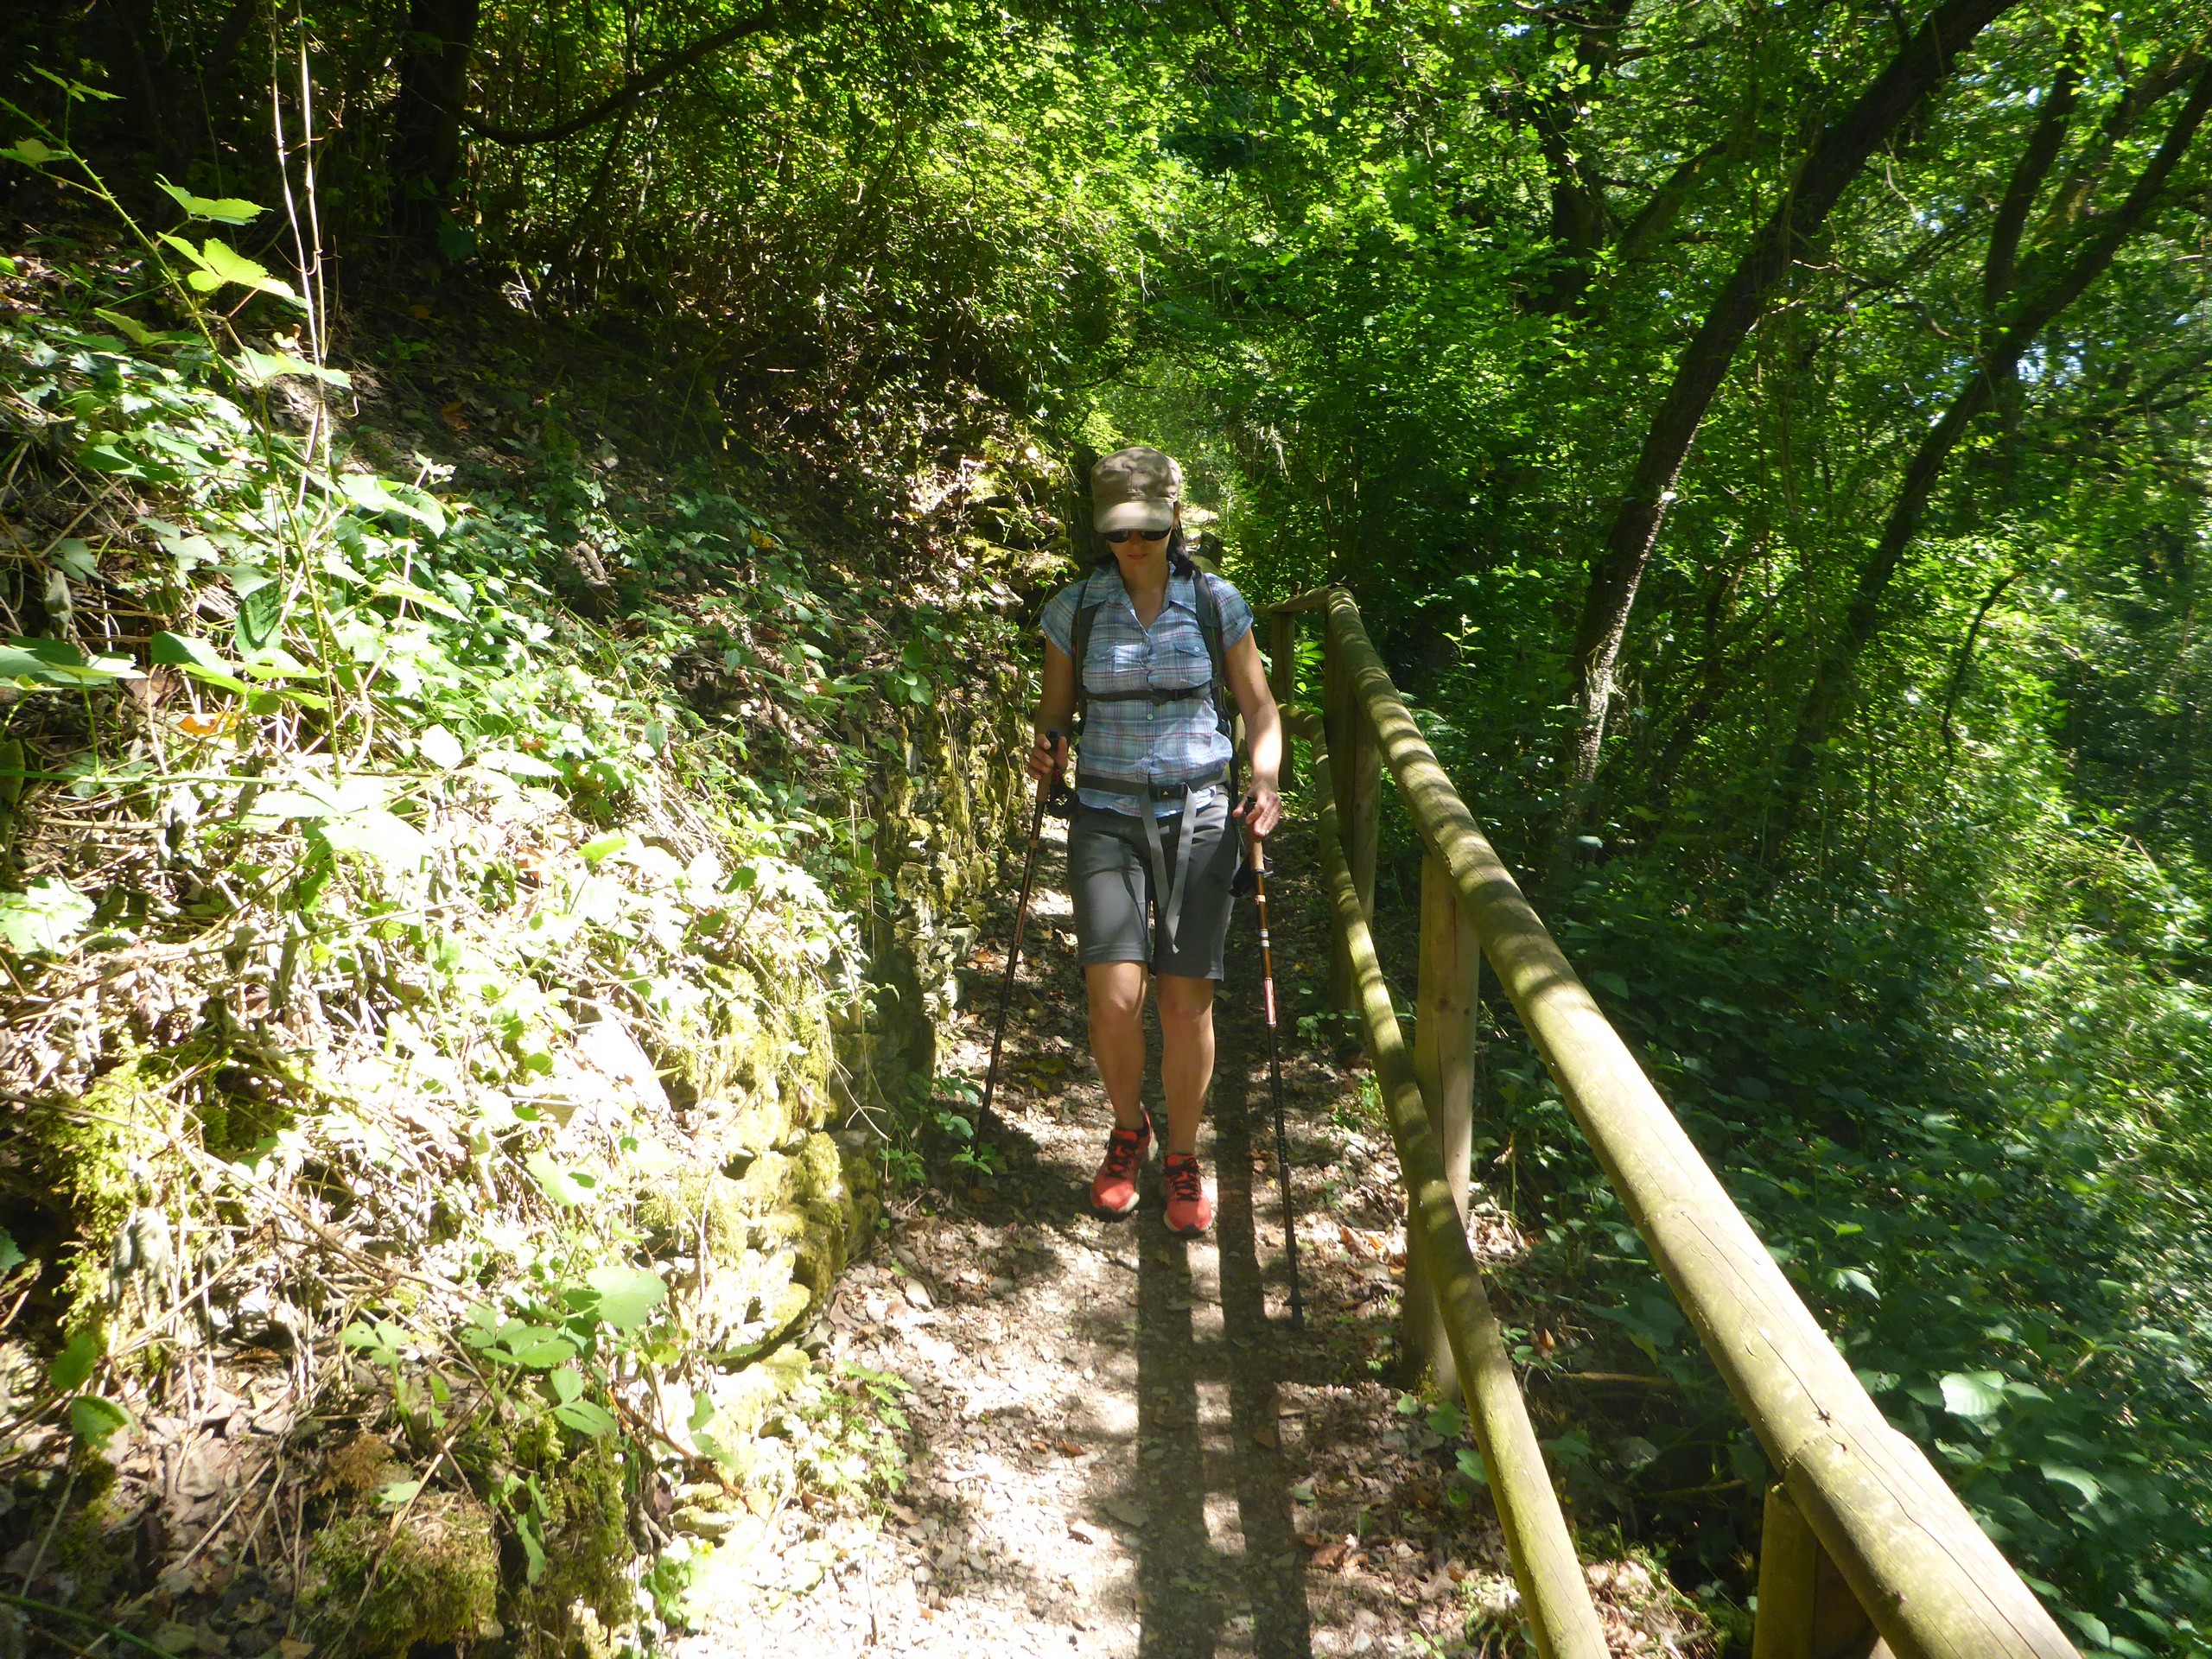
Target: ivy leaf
(44, 918)
(96, 1418)
(567, 1188)
(73, 1364)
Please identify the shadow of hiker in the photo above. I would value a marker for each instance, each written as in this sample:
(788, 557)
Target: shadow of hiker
(1218, 1568)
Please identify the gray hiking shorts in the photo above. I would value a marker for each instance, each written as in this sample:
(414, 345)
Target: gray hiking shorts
(1110, 880)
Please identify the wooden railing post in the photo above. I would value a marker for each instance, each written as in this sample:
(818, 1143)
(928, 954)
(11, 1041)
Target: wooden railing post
(1336, 720)
(1908, 1551)
(1356, 764)
(1283, 677)
(1806, 1610)
(1444, 1066)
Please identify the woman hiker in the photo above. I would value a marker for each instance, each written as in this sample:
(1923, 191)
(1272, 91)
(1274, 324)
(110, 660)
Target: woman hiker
(1152, 847)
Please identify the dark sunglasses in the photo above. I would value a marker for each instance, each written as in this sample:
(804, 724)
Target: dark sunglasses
(1117, 537)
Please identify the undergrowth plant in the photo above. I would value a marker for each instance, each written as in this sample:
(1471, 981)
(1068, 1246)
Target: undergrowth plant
(362, 899)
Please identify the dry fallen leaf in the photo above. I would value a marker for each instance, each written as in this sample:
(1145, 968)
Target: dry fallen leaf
(212, 725)
(1268, 1435)
(1080, 1533)
(452, 416)
(1329, 1555)
(1070, 1449)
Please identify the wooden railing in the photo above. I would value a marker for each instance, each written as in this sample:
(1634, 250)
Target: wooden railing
(1865, 1550)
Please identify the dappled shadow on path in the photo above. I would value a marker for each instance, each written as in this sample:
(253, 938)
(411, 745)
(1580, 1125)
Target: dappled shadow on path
(1219, 1569)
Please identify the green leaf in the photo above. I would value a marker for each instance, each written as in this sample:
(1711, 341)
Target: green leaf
(374, 494)
(223, 210)
(217, 264)
(1973, 1394)
(422, 599)
(394, 1493)
(73, 1364)
(586, 1417)
(130, 328)
(11, 1255)
(599, 847)
(261, 368)
(45, 917)
(1470, 1463)
(39, 664)
(32, 152)
(439, 747)
(96, 1418)
(2081, 1480)
(564, 1187)
(381, 837)
(568, 1385)
(2090, 1625)
(199, 659)
(627, 1296)
(1448, 1420)
(546, 1353)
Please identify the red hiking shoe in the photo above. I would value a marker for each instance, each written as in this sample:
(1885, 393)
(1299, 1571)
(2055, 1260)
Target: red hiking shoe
(1190, 1212)
(1114, 1192)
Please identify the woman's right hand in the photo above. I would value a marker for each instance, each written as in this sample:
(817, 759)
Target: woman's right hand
(1048, 758)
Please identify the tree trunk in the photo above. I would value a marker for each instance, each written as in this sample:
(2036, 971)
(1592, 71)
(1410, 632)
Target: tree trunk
(2059, 289)
(1836, 159)
(426, 152)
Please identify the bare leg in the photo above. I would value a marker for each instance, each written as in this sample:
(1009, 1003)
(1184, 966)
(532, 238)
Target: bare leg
(1117, 1035)
(1185, 1054)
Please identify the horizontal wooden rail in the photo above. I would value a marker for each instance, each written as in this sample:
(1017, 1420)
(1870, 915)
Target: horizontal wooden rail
(1554, 1594)
(1935, 1586)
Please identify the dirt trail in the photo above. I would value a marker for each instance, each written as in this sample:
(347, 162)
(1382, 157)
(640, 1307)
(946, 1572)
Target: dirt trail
(1120, 1445)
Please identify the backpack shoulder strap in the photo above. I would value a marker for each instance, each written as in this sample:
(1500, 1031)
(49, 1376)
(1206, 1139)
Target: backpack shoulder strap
(1209, 609)
(1086, 614)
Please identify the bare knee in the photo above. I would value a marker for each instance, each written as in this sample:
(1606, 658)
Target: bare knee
(1116, 994)
(1185, 1003)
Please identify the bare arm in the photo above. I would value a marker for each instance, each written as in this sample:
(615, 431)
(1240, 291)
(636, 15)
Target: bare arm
(1055, 711)
(1248, 683)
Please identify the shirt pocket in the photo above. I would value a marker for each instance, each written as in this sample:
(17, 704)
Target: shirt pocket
(1179, 663)
(1119, 665)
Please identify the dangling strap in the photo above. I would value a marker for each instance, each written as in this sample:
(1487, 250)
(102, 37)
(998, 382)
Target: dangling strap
(1166, 895)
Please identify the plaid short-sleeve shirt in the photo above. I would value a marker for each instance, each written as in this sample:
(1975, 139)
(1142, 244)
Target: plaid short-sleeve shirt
(1138, 739)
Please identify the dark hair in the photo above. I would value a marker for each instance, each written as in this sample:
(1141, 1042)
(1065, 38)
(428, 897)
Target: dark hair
(1178, 561)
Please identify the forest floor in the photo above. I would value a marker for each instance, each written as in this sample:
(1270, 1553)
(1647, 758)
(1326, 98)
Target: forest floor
(1119, 1442)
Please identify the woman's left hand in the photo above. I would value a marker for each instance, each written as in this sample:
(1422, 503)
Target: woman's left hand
(1261, 810)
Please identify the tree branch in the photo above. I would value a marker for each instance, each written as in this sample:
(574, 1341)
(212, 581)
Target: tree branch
(637, 87)
(2028, 174)
(1837, 157)
(2033, 313)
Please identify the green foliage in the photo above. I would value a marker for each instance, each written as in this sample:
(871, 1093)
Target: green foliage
(1933, 1132)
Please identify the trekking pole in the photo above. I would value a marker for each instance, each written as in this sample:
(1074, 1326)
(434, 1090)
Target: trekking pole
(1275, 1072)
(1045, 791)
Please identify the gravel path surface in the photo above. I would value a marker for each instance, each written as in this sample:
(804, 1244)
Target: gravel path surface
(1120, 1445)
